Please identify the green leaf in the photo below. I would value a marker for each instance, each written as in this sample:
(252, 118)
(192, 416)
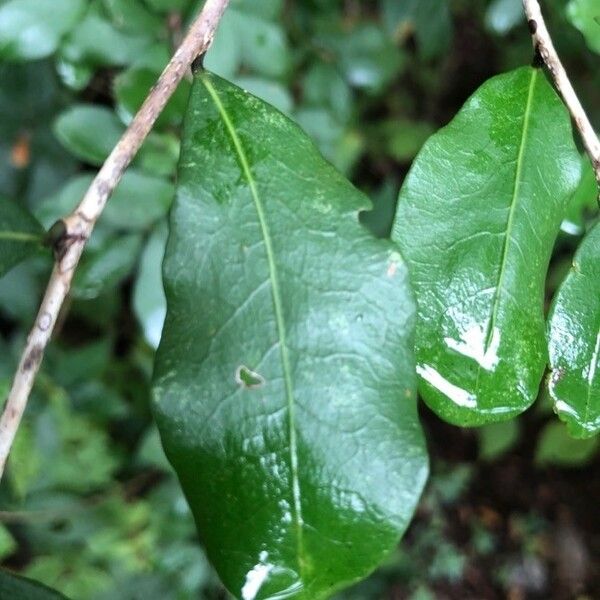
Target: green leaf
(248, 36)
(96, 42)
(18, 588)
(138, 201)
(269, 91)
(574, 342)
(159, 154)
(74, 75)
(557, 447)
(324, 87)
(379, 220)
(20, 235)
(132, 87)
(430, 20)
(89, 132)
(367, 57)
(263, 44)
(284, 381)
(149, 302)
(32, 29)
(477, 219)
(74, 453)
(497, 438)
(132, 15)
(584, 202)
(7, 543)
(502, 16)
(167, 6)
(267, 9)
(224, 57)
(585, 16)
(401, 138)
(24, 462)
(107, 267)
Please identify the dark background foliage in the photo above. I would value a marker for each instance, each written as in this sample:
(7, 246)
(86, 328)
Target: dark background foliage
(89, 505)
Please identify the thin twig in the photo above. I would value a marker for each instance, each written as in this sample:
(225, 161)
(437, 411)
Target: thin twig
(79, 225)
(546, 51)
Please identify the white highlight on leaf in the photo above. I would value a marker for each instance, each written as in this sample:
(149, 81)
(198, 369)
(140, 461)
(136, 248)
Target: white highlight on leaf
(256, 577)
(563, 407)
(472, 344)
(456, 394)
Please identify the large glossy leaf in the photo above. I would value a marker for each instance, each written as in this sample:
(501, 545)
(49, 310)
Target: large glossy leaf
(574, 341)
(284, 382)
(476, 221)
(18, 588)
(20, 235)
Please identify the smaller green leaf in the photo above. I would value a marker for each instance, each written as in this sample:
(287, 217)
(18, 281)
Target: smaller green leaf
(497, 438)
(24, 462)
(269, 91)
(574, 342)
(132, 87)
(324, 87)
(430, 20)
(7, 543)
(366, 56)
(401, 138)
(224, 57)
(71, 570)
(18, 588)
(75, 454)
(107, 267)
(137, 202)
(251, 38)
(20, 235)
(89, 132)
(22, 287)
(380, 218)
(266, 9)
(585, 16)
(504, 15)
(159, 154)
(341, 147)
(32, 29)
(149, 302)
(477, 219)
(264, 47)
(557, 447)
(167, 6)
(73, 75)
(97, 42)
(583, 203)
(133, 16)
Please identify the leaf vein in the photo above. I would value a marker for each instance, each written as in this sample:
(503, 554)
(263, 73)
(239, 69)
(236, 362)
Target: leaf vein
(278, 308)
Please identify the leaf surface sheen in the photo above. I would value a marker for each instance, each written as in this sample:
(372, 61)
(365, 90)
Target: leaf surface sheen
(284, 381)
(574, 342)
(476, 221)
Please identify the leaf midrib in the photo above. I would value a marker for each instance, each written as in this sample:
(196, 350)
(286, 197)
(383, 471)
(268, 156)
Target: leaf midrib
(513, 205)
(278, 308)
(19, 236)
